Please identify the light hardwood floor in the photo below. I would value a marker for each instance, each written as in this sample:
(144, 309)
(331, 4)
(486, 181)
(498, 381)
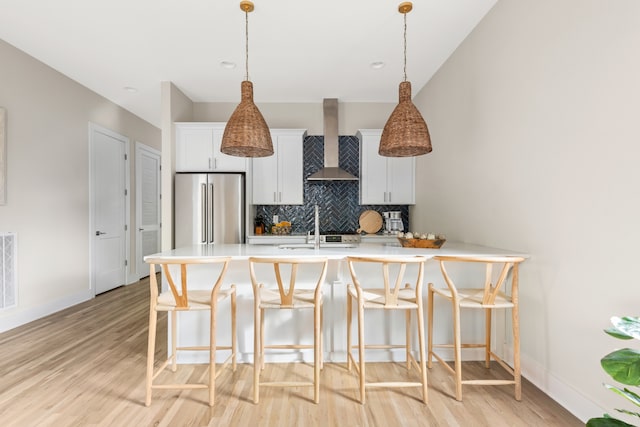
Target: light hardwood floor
(85, 366)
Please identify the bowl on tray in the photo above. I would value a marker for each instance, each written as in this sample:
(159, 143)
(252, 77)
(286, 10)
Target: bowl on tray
(429, 243)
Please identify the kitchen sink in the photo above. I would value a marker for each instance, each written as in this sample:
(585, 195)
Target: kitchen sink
(296, 246)
(338, 245)
(322, 245)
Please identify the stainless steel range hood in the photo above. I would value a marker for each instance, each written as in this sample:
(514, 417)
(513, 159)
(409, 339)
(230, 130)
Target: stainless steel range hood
(331, 171)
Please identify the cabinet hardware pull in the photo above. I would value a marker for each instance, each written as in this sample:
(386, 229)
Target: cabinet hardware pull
(203, 201)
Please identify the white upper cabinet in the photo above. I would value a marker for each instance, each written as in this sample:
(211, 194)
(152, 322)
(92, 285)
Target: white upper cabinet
(278, 179)
(384, 180)
(198, 149)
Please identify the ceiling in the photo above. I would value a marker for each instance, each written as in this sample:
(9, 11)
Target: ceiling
(299, 50)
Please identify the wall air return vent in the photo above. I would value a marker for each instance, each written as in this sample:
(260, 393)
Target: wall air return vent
(8, 282)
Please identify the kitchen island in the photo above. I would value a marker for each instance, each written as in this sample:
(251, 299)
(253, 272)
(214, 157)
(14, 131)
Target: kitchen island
(193, 326)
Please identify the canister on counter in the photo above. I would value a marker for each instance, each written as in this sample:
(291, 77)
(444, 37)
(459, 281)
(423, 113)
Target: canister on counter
(258, 224)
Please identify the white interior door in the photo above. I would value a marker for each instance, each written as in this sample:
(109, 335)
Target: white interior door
(147, 205)
(109, 210)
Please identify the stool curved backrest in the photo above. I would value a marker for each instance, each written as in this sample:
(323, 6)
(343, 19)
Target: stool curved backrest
(390, 291)
(181, 295)
(492, 288)
(287, 290)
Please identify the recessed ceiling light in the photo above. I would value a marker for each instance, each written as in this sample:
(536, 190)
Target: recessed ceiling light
(377, 65)
(130, 89)
(228, 65)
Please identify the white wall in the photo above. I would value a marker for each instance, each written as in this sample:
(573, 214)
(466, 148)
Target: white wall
(48, 180)
(535, 148)
(176, 107)
(351, 115)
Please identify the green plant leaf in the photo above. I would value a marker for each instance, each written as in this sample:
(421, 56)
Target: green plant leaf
(623, 366)
(626, 393)
(616, 333)
(627, 325)
(606, 422)
(624, 411)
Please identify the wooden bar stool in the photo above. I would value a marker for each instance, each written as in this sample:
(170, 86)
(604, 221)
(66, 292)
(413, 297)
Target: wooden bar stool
(184, 299)
(491, 293)
(387, 297)
(287, 298)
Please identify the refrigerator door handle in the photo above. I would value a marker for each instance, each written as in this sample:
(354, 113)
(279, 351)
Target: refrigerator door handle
(210, 218)
(203, 219)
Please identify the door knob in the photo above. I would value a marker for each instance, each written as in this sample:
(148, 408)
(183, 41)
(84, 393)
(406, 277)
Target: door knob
(98, 233)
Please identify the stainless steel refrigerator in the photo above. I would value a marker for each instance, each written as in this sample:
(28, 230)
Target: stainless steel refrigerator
(209, 208)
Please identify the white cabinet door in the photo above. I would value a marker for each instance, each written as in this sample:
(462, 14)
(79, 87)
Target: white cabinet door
(373, 170)
(278, 179)
(223, 162)
(265, 179)
(290, 174)
(198, 149)
(401, 180)
(384, 180)
(193, 148)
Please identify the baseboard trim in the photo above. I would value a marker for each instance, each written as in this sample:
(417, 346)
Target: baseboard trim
(18, 317)
(570, 398)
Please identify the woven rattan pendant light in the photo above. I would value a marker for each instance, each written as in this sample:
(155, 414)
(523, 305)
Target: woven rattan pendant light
(247, 133)
(406, 133)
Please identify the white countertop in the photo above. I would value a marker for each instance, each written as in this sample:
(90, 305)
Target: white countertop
(244, 251)
(274, 239)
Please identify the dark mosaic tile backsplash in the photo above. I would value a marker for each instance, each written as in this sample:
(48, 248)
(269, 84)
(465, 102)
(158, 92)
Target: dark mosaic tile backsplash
(338, 200)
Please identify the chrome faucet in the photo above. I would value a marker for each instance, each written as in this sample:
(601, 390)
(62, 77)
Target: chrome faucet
(316, 239)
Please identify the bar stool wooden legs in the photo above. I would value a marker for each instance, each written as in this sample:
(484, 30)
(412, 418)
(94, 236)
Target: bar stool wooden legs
(388, 297)
(185, 299)
(288, 298)
(492, 293)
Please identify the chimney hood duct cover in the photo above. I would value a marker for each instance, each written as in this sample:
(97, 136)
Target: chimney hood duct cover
(331, 171)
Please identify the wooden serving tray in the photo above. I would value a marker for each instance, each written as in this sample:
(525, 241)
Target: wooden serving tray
(421, 243)
(370, 222)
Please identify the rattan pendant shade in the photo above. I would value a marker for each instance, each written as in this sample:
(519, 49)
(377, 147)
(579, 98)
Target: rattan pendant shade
(405, 134)
(246, 133)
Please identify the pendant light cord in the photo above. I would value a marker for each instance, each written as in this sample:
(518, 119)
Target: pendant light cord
(405, 47)
(246, 49)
